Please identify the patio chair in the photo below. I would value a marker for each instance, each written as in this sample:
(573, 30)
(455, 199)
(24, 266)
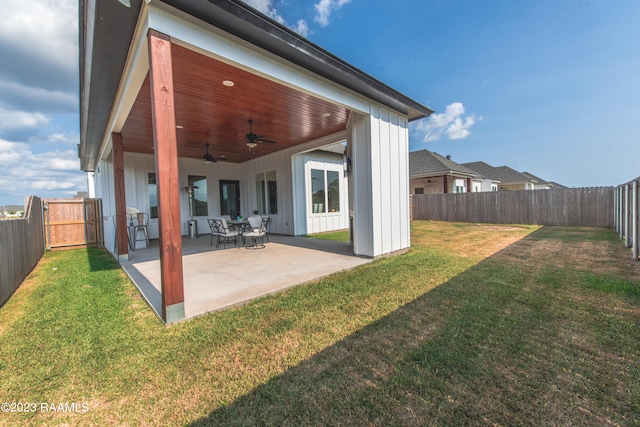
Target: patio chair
(141, 223)
(115, 228)
(266, 221)
(256, 233)
(224, 234)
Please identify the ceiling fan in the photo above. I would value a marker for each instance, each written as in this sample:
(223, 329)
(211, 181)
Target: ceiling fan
(208, 158)
(253, 139)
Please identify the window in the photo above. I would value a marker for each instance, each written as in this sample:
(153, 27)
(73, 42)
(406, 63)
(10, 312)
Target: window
(418, 191)
(459, 189)
(325, 191)
(199, 202)
(267, 193)
(153, 195)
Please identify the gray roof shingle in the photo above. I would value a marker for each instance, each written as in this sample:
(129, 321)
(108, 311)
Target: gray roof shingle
(502, 173)
(425, 162)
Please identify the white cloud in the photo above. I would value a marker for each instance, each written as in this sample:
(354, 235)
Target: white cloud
(49, 174)
(12, 120)
(302, 28)
(452, 123)
(39, 43)
(18, 96)
(51, 185)
(266, 7)
(324, 9)
(10, 153)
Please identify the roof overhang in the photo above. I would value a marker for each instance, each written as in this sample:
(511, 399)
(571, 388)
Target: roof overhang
(107, 29)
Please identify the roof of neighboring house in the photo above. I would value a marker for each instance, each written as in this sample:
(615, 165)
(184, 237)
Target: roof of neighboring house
(538, 180)
(427, 163)
(501, 173)
(556, 185)
(107, 28)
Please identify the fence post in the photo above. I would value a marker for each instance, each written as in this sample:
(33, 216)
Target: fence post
(627, 214)
(634, 222)
(616, 209)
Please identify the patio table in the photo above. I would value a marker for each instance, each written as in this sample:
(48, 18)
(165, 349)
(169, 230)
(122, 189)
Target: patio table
(241, 225)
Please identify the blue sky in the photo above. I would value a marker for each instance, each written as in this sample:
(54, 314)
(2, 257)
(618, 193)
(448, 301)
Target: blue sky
(548, 87)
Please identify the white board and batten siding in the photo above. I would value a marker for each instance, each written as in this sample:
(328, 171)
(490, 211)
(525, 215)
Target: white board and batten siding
(380, 185)
(307, 221)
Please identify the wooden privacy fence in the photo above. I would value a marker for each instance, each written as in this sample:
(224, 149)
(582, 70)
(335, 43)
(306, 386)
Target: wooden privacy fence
(21, 247)
(592, 207)
(627, 216)
(72, 222)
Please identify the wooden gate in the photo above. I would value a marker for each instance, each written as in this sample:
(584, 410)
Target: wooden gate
(72, 222)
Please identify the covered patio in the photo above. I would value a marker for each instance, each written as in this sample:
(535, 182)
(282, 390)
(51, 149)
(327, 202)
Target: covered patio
(219, 278)
(179, 95)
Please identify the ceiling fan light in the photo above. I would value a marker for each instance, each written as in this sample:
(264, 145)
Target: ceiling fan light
(251, 144)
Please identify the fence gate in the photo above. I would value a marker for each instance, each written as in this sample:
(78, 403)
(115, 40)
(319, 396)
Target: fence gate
(72, 222)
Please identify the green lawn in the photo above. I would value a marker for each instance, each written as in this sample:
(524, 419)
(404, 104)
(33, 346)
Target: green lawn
(338, 236)
(476, 324)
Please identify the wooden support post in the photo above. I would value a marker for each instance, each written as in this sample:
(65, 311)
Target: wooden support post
(468, 185)
(122, 238)
(446, 184)
(167, 176)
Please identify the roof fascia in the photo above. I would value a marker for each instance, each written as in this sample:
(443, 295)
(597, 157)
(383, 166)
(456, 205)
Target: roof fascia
(245, 22)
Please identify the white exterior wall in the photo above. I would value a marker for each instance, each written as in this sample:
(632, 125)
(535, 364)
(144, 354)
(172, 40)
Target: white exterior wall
(308, 222)
(379, 186)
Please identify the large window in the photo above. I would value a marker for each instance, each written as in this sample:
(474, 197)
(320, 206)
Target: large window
(199, 205)
(153, 195)
(267, 193)
(325, 191)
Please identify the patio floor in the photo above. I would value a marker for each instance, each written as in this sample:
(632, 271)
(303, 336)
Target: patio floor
(215, 279)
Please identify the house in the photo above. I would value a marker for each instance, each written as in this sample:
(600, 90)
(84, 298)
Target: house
(432, 173)
(539, 184)
(190, 109)
(509, 179)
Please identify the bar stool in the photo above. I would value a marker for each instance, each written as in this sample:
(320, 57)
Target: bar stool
(115, 227)
(141, 227)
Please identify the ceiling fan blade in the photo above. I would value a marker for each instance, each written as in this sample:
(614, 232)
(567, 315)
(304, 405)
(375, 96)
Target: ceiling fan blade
(266, 140)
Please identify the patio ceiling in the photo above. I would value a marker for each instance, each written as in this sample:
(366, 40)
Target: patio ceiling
(209, 111)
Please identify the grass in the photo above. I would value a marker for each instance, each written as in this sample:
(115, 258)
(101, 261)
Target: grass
(338, 236)
(476, 324)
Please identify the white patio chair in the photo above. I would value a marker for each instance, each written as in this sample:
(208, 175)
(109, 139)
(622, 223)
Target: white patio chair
(223, 232)
(266, 221)
(256, 233)
(141, 221)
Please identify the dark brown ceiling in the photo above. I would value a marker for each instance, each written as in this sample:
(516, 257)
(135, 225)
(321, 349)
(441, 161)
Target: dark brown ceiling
(210, 112)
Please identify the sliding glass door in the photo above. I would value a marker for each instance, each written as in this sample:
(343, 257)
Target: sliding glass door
(230, 198)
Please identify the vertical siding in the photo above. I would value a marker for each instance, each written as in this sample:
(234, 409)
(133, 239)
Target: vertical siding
(21, 247)
(317, 223)
(381, 182)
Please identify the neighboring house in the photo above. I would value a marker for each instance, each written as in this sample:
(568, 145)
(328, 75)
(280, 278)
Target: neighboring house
(432, 173)
(179, 94)
(509, 179)
(539, 184)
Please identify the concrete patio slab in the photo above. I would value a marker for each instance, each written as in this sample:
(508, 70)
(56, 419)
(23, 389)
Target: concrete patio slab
(215, 279)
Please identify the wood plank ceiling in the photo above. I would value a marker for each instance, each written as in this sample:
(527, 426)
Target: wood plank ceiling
(209, 111)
